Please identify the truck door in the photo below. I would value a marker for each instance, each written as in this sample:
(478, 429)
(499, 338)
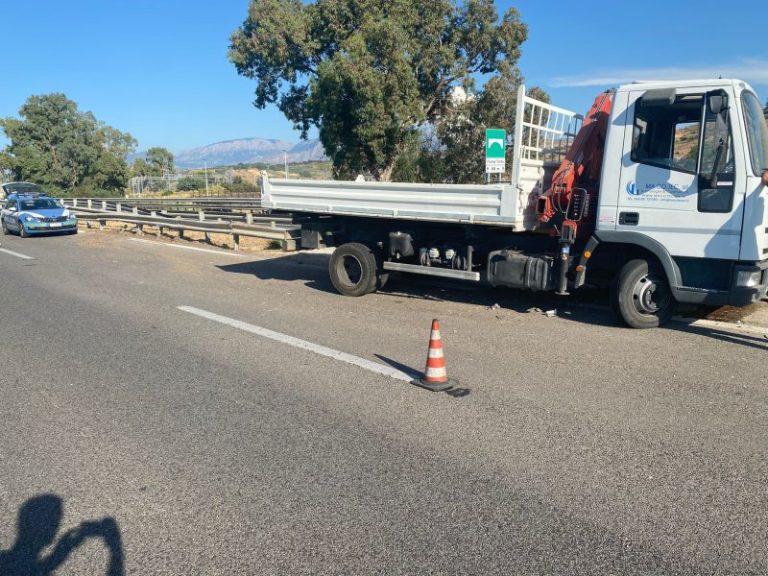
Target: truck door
(674, 142)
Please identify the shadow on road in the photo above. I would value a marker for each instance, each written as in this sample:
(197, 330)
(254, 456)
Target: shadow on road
(37, 527)
(749, 340)
(584, 306)
(415, 374)
(312, 268)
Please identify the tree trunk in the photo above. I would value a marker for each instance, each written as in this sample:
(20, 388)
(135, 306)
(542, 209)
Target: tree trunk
(385, 175)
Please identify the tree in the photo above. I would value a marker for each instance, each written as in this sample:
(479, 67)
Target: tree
(765, 110)
(63, 149)
(159, 161)
(368, 74)
(455, 150)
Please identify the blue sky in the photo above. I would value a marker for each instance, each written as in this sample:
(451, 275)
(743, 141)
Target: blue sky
(159, 70)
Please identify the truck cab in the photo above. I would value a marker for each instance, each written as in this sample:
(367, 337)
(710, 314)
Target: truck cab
(681, 180)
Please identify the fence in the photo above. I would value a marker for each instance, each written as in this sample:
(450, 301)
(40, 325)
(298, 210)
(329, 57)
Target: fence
(224, 219)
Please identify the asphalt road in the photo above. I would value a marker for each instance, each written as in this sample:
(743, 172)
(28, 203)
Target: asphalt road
(173, 444)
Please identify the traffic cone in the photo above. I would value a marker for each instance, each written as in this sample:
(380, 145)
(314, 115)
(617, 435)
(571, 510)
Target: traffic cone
(435, 376)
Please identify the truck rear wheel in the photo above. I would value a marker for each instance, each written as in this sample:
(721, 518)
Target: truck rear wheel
(355, 270)
(641, 296)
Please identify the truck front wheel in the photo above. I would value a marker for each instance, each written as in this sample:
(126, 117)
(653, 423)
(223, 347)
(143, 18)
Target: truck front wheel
(641, 295)
(355, 270)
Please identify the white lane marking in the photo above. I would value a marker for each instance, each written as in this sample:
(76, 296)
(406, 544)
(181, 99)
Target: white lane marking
(730, 327)
(219, 252)
(298, 343)
(12, 253)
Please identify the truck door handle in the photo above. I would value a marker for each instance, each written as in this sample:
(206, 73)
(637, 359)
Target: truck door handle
(629, 218)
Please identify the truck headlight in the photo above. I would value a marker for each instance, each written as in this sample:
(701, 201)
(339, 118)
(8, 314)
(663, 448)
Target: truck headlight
(748, 279)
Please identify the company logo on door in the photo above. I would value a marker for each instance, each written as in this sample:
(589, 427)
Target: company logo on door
(665, 192)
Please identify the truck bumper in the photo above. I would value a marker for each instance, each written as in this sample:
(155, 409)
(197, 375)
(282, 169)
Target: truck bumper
(742, 295)
(749, 284)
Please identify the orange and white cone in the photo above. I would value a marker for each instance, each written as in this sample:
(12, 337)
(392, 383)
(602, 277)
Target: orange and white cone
(435, 375)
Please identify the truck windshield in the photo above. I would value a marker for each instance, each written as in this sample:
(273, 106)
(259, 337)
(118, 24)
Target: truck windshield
(757, 132)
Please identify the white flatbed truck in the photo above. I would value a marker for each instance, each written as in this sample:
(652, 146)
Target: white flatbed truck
(658, 192)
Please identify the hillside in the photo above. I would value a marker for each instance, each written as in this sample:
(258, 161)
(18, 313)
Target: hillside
(250, 151)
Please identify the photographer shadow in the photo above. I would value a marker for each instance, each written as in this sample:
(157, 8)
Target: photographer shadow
(37, 527)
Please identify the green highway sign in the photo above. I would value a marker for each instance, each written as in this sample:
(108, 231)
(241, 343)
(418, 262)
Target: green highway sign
(495, 150)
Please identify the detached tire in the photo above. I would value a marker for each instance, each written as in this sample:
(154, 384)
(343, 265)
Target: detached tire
(641, 296)
(354, 270)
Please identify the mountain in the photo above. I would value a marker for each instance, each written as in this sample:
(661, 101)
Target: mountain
(250, 151)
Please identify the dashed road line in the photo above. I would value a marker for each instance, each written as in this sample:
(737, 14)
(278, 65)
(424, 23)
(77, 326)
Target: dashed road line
(17, 254)
(218, 252)
(303, 344)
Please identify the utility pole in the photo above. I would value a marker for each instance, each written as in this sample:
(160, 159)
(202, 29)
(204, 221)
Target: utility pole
(206, 178)
(285, 161)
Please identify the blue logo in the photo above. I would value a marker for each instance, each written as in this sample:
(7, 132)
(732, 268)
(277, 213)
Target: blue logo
(632, 189)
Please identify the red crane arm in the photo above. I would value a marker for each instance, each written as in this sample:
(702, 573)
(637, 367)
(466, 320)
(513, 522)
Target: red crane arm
(581, 165)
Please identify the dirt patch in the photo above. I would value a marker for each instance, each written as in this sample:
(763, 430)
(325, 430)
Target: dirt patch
(247, 243)
(753, 314)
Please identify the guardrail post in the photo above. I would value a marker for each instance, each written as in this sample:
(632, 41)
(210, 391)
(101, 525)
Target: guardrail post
(90, 203)
(135, 209)
(289, 245)
(236, 241)
(118, 207)
(74, 202)
(201, 215)
(159, 228)
(249, 217)
(103, 204)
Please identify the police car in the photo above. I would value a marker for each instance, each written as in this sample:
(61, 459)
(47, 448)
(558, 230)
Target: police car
(35, 213)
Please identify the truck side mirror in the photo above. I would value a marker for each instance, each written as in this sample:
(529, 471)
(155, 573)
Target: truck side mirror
(717, 103)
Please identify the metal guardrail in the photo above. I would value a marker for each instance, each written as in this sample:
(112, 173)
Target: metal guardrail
(211, 204)
(281, 229)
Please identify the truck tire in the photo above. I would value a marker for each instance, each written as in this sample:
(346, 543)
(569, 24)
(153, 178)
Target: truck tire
(355, 270)
(641, 296)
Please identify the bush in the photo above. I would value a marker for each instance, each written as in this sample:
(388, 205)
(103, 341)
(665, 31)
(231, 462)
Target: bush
(240, 186)
(188, 183)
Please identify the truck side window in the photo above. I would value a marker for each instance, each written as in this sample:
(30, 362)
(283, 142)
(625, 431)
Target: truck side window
(709, 149)
(716, 174)
(666, 135)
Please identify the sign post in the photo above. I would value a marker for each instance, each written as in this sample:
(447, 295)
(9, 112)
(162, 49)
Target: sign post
(495, 151)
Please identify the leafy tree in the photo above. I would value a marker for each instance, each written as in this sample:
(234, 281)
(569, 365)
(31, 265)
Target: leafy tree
(156, 162)
(159, 161)
(765, 110)
(368, 74)
(456, 151)
(56, 145)
(139, 167)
